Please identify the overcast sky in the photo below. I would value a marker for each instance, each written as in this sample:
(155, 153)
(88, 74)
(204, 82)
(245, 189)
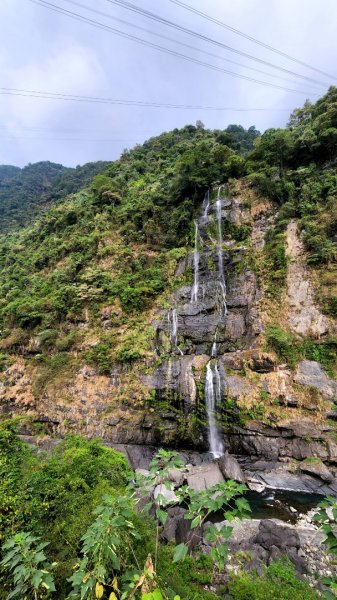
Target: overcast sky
(46, 51)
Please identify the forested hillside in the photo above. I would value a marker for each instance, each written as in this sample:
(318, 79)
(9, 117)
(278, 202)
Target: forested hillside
(26, 192)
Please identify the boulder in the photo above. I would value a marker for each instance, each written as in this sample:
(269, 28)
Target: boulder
(176, 476)
(168, 494)
(175, 514)
(230, 468)
(310, 372)
(142, 472)
(185, 535)
(271, 534)
(316, 467)
(276, 553)
(204, 476)
(139, 456)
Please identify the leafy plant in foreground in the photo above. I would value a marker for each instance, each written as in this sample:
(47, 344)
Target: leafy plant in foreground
(327, 517)
(218, 499)
(221, 498)
(101, 545)
(25, 559)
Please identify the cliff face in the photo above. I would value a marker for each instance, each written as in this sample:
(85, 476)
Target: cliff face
(216, 362)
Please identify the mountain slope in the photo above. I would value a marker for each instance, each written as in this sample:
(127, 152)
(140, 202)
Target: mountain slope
(25, 192)
(101, 327)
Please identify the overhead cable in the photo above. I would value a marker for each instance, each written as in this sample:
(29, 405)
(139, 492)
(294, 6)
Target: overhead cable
(123, 34)
(129, 6)
(250, 38)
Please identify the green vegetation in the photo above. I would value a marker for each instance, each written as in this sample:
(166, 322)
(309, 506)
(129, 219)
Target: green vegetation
(275, 262)
(279, 582)
(77, 532)
(291, 350)
(326, 518)
(25, 192)
(27, 563)
(116, 244)
(82, 283)
(296, 168)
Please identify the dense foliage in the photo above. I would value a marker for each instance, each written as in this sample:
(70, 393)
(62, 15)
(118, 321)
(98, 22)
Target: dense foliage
(296, 167)
(25, 192)
(8, 171)
(117, 242)
(79, 536)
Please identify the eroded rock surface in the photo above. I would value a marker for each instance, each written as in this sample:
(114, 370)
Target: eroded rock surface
(303, 315)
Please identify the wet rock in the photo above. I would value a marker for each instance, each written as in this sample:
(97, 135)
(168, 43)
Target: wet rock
(242, 289)
(316, 467)
(230, 468)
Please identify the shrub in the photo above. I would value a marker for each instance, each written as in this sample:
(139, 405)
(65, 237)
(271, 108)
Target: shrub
(279, 582)
(100, 357)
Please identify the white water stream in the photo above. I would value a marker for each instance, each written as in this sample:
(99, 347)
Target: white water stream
(221, 274)
(195, 287)
(212, 401)
(172, 320)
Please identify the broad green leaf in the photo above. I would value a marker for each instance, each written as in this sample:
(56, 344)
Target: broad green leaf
(161, 515)
(180, 553)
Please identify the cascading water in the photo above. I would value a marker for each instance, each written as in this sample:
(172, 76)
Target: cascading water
(205, 204)
(221, 274)
(195, 287)
(214, 351)
(212, 400)
(172, 320)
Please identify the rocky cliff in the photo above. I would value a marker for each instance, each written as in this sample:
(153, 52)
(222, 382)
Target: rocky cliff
(222, 320)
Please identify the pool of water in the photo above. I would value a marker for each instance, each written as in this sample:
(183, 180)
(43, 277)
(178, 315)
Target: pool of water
(284, 505)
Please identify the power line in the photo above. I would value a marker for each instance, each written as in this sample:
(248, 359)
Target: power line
(118, 32)
(158, 18)
(250, 38)
(175, 41)
(138, 103)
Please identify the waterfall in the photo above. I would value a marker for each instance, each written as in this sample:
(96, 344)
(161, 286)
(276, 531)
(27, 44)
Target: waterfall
(205, 204)
(221, 274)
(214, 351)
(195, 287)
(172, 321)
(212, 401)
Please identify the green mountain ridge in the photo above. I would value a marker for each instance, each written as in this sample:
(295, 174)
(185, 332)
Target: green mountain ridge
(27, 191)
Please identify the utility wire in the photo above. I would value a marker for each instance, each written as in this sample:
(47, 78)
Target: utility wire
(129, 36)
(175, 41)
(139, 103)
(250, 38)
(158, 18)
